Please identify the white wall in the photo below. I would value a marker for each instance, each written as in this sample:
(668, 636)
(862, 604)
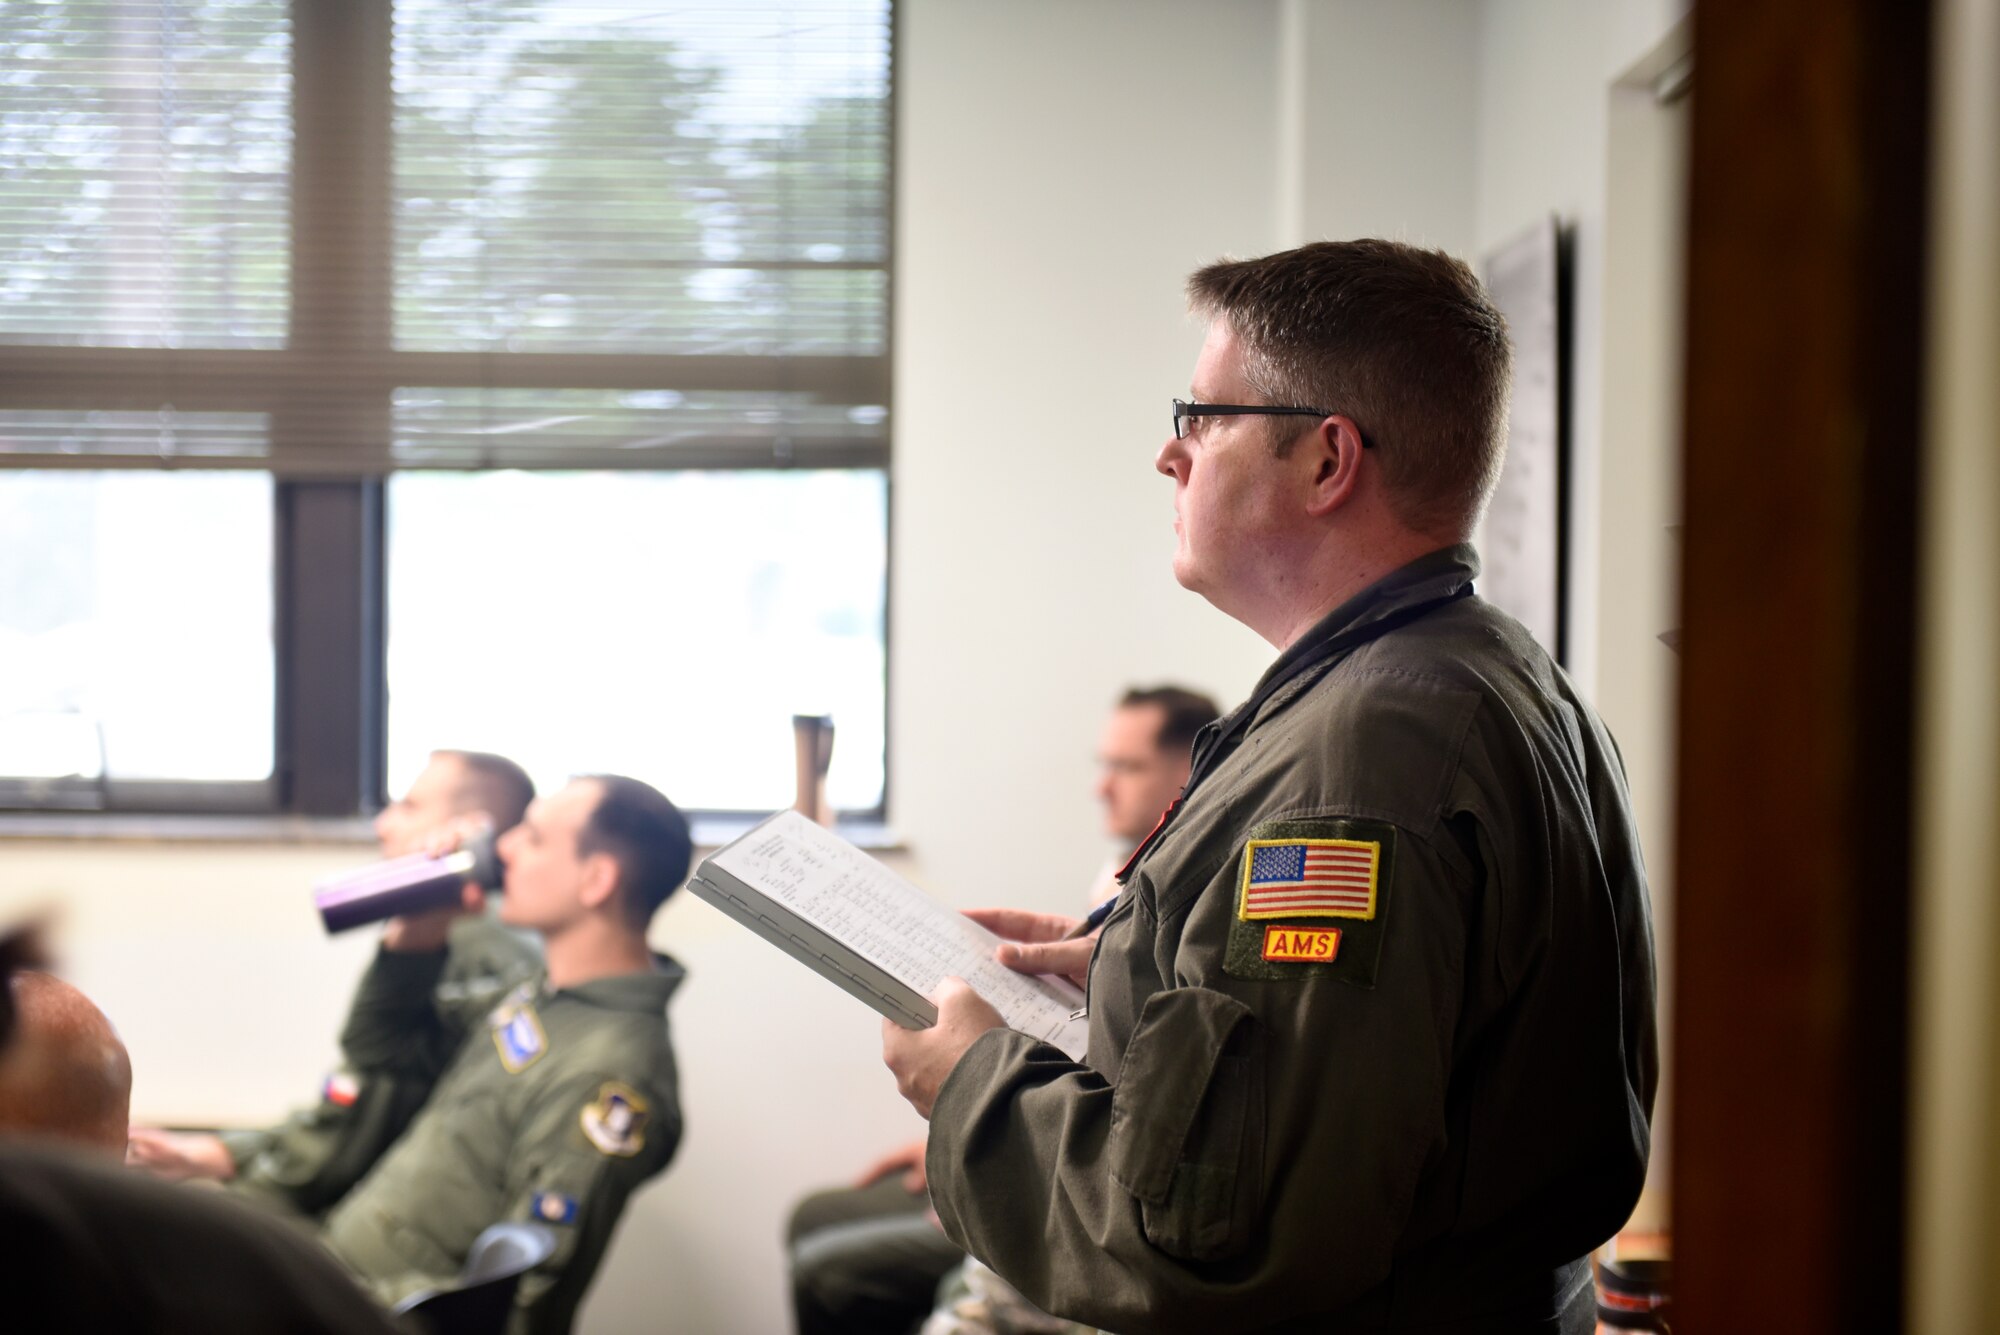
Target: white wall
(1062, 168)
(1546, 70)
(1378, 106)
(1063, 164)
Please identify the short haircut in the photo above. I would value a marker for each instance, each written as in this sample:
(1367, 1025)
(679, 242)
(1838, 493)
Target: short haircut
(492, 784)
(1184, 713)
(1402, 340)
(647, 837)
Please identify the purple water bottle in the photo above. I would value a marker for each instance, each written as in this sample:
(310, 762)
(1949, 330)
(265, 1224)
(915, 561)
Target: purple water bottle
(412, 884)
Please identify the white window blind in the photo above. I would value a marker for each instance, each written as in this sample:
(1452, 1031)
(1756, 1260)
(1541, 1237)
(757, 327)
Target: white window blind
(144, 156)
(445, 233)
(639, 177)
(321, 241)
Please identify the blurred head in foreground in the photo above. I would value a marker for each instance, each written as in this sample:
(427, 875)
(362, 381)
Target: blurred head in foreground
(65, 1073)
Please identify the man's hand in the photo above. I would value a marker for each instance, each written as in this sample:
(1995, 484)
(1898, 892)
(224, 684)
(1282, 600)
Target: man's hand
(905, 1159)
(1039, 942)
(179, 1155)
(417, 933)
(922, 1058)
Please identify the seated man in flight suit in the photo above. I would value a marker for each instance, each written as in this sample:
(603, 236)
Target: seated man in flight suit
(306, 1163)
(868, 1259)
(567, 1099)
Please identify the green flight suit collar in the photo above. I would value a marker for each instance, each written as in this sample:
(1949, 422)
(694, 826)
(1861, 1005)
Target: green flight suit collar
(1432, 577)
(644, 993)
(1429, 582)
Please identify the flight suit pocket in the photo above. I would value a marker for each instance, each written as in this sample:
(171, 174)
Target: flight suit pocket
(1187, 1122)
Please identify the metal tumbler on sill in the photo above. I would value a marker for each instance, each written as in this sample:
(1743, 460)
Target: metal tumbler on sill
(812, 739)
(413, 884)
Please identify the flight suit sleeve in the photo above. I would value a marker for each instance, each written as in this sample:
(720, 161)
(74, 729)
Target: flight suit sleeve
(393, 1024)
(582, 1151)
(315, 1156)
(1256, 1156)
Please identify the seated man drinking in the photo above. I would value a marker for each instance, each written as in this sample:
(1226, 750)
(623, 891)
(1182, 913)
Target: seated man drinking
(314, 1157)
(566, 1099)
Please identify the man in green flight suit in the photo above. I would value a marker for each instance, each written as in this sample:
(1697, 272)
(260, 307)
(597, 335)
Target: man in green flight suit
(310, 1160)
(567, 1098)
(1372, 1022)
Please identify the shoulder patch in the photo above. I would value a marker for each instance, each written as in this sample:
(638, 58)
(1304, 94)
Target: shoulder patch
(1311, 897)
(517, 1033)
(616, 1122)
(1309, 878)
(552, 1207)
(341, 1088)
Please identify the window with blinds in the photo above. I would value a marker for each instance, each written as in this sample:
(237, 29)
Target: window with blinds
(145, 154)
(328, 240)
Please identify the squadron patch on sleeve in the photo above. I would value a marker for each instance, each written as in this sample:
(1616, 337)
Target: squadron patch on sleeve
(616, 1122)
(552, 1207)
(517, 1032)
(1312, 894)
(1312, 945)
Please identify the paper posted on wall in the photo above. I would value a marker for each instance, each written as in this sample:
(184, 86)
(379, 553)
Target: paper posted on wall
(867, 930)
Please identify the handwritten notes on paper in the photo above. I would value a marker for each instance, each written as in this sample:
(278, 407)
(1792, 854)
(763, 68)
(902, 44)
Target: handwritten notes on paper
(822, 879)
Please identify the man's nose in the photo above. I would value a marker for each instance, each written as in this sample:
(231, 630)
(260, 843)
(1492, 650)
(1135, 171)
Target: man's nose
(1172, 455)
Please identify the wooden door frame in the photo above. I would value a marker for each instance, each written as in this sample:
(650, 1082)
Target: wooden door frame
(1807, 237)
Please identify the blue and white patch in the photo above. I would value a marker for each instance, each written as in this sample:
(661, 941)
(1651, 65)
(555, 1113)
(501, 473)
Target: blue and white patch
(517, 1033)
(552, 1207)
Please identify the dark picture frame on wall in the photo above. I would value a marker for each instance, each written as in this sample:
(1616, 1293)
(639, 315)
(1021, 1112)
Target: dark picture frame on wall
(1525, 545)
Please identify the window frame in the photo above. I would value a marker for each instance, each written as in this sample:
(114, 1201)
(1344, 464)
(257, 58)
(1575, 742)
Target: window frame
(335, 378)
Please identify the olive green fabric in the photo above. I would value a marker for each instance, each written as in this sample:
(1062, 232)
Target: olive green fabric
(866, 1260)
(315, 1156)
(562, 1104)
(1426, 1133)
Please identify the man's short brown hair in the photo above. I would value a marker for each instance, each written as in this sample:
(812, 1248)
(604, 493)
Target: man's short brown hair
(1400, 339)
(492, 784)
(1183, 713)
(645, 834)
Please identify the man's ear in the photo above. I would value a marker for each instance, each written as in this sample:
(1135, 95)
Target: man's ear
(600, 880)
(1334, 452)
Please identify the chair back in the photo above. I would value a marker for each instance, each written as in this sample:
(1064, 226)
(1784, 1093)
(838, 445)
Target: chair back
(483, 1299)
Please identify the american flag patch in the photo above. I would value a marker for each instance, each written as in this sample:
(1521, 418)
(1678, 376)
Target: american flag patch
(1309, 878)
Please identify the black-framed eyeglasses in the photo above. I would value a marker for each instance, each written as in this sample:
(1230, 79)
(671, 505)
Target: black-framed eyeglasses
(1183, 411)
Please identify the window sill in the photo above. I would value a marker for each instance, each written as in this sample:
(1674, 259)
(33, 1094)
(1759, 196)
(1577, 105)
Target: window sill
(155, 828)
(710, 832)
